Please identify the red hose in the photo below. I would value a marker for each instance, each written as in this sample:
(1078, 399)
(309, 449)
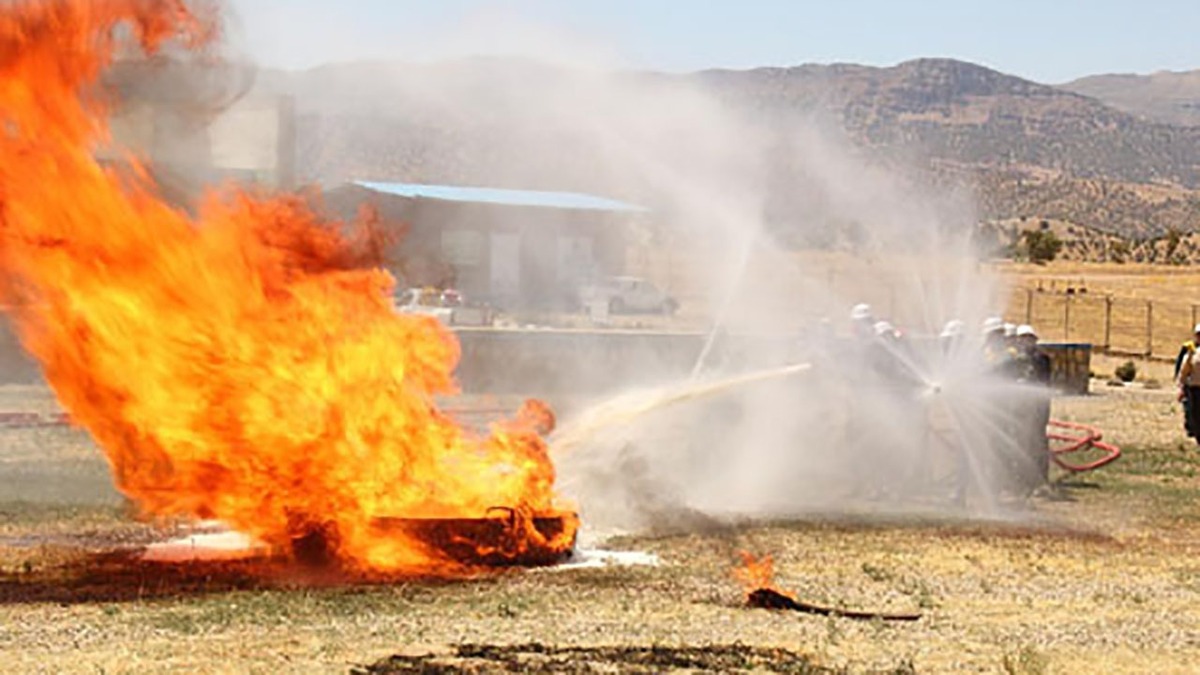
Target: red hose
(1085, 438)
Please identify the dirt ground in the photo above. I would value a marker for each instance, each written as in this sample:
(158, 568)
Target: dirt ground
(1099, 575)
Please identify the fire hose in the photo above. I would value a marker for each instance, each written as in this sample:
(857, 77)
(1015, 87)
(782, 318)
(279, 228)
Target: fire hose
(1075, 437)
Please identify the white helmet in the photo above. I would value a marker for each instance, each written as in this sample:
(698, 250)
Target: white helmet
(952, 329)
(860, 312)
(1025, 330)
(992, 324)
(884, 328)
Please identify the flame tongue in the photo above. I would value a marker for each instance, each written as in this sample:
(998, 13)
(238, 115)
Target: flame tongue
(756, 574)
(241, 365)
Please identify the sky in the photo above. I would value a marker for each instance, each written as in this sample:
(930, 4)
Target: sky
(1050, 41)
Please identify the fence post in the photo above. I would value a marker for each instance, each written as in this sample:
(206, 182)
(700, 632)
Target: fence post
(1066, 318)
(1149, 328)
(1029, 306)
(1107, 323)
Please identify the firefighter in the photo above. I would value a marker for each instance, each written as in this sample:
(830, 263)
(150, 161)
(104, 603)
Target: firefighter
(994, 349)
(951, 336)
(885, 331)
(1000, 348)
(862, 323)
(886, 356)
(902, 437)
(1187, 349)
(1005, 459)
(860, 433)
(1038, 362)
(1035, 370)
(860, 362)
(1187, 376)
(889, 356)
(942, 430)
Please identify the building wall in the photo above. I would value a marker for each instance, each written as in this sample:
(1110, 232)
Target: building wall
(511, 256)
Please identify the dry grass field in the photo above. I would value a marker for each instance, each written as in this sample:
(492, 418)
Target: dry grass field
(1153, 307)
(1099, 576)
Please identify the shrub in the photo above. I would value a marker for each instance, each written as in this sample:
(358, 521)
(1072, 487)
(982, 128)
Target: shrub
(1041, 246)
(1126, 371)
(1118, 252)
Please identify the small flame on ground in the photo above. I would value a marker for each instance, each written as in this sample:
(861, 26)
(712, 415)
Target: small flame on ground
(756, 573)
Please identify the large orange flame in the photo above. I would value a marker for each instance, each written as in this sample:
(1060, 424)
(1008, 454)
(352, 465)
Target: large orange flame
(237, 365)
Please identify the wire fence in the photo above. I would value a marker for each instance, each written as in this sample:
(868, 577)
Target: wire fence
(1132, 326)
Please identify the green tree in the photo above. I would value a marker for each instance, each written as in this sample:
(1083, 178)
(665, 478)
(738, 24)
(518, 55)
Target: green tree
(1041, 246)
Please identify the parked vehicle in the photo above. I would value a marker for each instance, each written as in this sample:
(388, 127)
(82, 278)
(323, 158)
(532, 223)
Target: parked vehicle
(627, 295)
(448, 306)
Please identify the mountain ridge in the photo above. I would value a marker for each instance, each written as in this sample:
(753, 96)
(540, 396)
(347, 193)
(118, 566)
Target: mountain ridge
(1022, 147)
(1172, 97)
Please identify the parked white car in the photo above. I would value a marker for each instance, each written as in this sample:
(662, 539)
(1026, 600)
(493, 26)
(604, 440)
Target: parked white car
(446, 306)
(627, 295)
(423, 301)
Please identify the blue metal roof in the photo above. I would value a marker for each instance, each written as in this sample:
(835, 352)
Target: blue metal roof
(477, 195)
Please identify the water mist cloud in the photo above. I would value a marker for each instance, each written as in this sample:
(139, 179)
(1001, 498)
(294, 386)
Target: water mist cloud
(775, 222)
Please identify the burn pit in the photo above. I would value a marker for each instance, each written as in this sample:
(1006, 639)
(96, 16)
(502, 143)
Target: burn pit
(503, 537)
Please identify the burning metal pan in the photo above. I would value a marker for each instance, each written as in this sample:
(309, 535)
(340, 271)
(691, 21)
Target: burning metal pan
(492, 541)
(499, 539)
